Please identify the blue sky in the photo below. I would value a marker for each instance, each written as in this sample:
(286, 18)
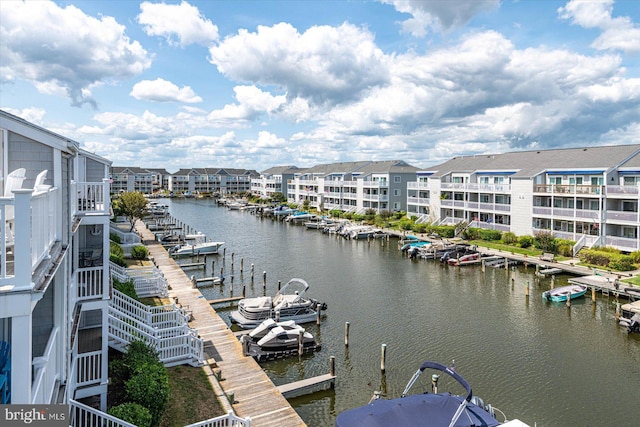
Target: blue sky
(254, 84)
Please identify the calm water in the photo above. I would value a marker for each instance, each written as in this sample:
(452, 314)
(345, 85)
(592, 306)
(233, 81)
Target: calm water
(539, 362)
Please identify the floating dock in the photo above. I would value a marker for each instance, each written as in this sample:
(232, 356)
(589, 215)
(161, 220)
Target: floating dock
(307, 386)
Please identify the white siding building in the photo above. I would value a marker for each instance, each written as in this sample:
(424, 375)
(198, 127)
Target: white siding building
(588, 195)
(54, 286)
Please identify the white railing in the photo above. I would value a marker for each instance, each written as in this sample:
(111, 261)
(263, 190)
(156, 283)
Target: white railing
(90, 283)
(88, 368)
(632, 190)
(624, 243)
(44, 220)
(590, 214)
(622, 216)
(45, 371)
(126, 237)
(175, 346)
(93, 197)
(158, 317)
(229, 420)
(416, 185)
(148, 281)
(81, 415)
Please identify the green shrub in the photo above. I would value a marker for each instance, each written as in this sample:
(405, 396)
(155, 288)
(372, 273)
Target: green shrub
(419, 228)
(471, 233)
(139, 252)
(358, 217)
(385, 214)
(149, 387)
(115, 238)
(621, 262)
(133, 413)
(594, 257)
(509, 238)
(608, 249)
(565, 249)
(116, 249)
(118, 260)
(490, 235)
(128, 288)
(399, 215)
(545, 241)
(405, 224)
(336, 213)
(446, 231)
(635, 256)
(525, 241)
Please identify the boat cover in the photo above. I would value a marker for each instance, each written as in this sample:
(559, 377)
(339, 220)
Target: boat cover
(425, 410)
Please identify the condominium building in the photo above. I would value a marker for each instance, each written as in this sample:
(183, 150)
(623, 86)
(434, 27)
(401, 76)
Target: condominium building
(127, 179)
(354, 186)
(211, 180)
(273, 180)
(54, 273)
(588, 195)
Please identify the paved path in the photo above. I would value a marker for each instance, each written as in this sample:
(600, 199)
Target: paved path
(255, 395)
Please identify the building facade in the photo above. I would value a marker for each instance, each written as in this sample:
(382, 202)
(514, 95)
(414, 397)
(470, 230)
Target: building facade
(273, 180)
(587, 195)
(354, 186)
(54, 277)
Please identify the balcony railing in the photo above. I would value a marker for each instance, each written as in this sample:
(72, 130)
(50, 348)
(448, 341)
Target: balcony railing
(418, 201)
(630, 190)
(88, 368)
(419, 185)
(90, 283)
(624, 243)
(623, 216)
(375, 184)
(28, 229)
(82, 415)
(93, 197)
(45, 371)
(567, 189)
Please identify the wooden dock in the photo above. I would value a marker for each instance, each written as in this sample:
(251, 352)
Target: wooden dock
(307, 386)
(224, 300)
(254, 393)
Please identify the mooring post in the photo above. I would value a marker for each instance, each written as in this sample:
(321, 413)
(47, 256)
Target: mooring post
(332, 366)
(204, 262)
(264, 282)
(553, 281)
(318, 317)
(277, 316)
(244, 291)
(483, 267)
(569, 300)
(213, 267)
(537, 270)
(617, 311)
(383, 358)
(346, 334)
(221, 274)
(224, 252)
(241, 264)
(193, 281)
(251, 272)
(526, 292)
(300, 342)
(279, 285)
(434, 383)
(593, 294)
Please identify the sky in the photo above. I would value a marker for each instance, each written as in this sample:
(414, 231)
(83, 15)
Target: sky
(254, 84)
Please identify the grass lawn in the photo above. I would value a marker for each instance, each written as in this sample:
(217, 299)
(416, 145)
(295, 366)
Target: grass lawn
(191, 398)
(632, 280)
(507, 248)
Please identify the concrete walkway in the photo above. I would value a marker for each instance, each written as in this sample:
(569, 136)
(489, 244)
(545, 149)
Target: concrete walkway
(255, 395)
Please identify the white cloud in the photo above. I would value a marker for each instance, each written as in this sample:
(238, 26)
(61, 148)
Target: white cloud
(183, 21)
(325, 65)
(439, 16)
(618, 33)
(252, 104)
(62, 49)
(160, 90)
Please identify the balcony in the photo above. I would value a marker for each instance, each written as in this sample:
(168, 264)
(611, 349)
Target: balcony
(592, 190)
(630, 191)
(625, 217)
(93, 197)
(376, 184)
(623, 243)
(376, 197)
(418, 201)
(419, 185)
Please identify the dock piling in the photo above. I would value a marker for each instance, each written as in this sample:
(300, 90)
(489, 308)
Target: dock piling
(553, 281)
(264, 282)
(593, 294)
(346, 334)
(526, 291)
(383, 358)
(332, 366)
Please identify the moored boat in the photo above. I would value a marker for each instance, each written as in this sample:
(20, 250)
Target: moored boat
(195, 244)
(425, 409)
(290, 303)
(565, 292)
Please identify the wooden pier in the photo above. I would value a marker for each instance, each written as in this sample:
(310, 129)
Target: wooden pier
(253, 393)
(307, 386)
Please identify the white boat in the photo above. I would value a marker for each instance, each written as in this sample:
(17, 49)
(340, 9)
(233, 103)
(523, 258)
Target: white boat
(273, 340)
(195, 244)
(265, 327)
(289, 303)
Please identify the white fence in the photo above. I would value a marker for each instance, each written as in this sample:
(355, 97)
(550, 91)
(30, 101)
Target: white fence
(85, 416)
(148, 281)
(45, 371)
(229, 420)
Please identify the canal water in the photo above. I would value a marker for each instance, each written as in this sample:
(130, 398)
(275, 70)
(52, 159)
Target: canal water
(540, 362)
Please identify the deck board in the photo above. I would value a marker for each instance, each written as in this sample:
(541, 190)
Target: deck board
(255, 394)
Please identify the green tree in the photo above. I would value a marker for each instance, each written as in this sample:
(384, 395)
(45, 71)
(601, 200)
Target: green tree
(278, 198)
(133, 206)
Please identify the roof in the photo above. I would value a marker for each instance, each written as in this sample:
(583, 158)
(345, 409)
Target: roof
(389, 166)
(281, 170)
(527, 164)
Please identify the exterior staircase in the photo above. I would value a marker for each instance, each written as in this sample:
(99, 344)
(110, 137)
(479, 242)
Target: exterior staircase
(164, 328)
(148, 281)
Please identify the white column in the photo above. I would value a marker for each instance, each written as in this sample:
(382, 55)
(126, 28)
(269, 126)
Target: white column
(21, 356)
(22, 238)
